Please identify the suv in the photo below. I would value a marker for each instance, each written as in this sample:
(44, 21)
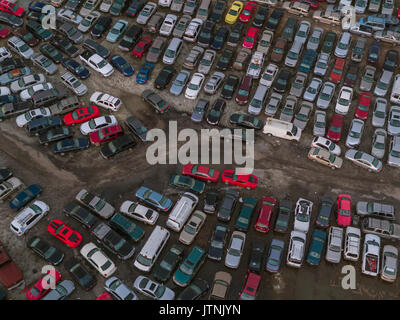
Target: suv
(296, 249)
(28, 217)
(334, 248)
(383, 228)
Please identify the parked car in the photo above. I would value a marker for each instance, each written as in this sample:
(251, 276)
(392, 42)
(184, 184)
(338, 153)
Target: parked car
(235, 249)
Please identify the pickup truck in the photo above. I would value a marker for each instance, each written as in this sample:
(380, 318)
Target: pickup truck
(370, 258)
(113, 241)
(10, 274)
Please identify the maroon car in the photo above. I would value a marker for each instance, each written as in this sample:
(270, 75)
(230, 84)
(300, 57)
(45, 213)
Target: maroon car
(243, 94)
(335, 128)
(351, 75)
(4, 31)
(27, 37)
(279, 50)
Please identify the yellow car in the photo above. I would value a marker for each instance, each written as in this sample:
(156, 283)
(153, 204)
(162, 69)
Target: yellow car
(234, 12)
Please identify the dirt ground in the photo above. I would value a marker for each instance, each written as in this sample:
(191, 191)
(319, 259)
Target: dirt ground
(282, 166)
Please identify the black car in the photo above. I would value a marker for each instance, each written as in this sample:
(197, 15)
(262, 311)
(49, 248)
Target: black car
(163, 271)
(164, 77)
(70, 145)
(211, 201)
(118, 245)
(9, 64)
(72, 4)
(391, 60)
(225, 61)
(86, 280)
(283, 218)
(351, 75)
(101, 26)
(38, 31)
(216, 111)
(11, 109)
(220, 38)
(45, 250)
(5, 173)
(324, 212)
(374, 52)
(236, 34)
(256, 256)
(217, 242)
(40, 125)
(260, 16)
(135, 8)
(76, 68)
(206, 33)
(218, 11)
(228, 205)
(55, 134)
(274, 19)
(51, 52)
(283, 80)
(117, 145)
(130, 38)
(65, 46)
(229, 87)
(137, 127)
(197, 289)
(79, 213)
(96, 47)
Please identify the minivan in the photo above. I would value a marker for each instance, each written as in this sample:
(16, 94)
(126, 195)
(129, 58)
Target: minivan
(146, 258)
(181, 211)
(259, 100)
(173, 50)
(281, 129)
(48, 97)
(39, 125)
(28, 217)
(204, 10)
(293, 54)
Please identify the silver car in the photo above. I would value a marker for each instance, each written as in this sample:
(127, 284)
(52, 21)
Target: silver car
(387, 7)
(215, 81)
(343, 45)
(319, 123)
(379, 143)
(358, 50)
(44, 63)
(368, 78)
(383, 84)
(181, 26)
(355, 133)
(312, 90)
(152, 289)
(179, 82)
(88, 21)
(119, 290)
(322, 64)
(207, 61)
(74, 83)
(235, 249)
(390, 258)
(177, 5)
(288, 109)
(20, 47)
(61, 292)
(26, 82)
(379, 113)
(302, 117)
(393, 126)
(394, 152)
(273, 104)
(298, 84)
(326, 94)
(374, 5)
(302, 32)
(334, 246)
(145, 14)
(315, 39)
(71, 32)
(190, 7)
(364, 160)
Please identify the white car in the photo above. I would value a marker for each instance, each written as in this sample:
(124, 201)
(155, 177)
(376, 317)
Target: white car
(352, 244)
(194, 86)
(370, 255)
(74, 84)
(302, 32)
(97, 63)
(168, 24)
(95, 124)
(98, 259)
(322, 64)
(69, 16)
(4, 53)
(164, 3)
(28, 217)
(269, 75)
(297, 244)
(105, 5)
(193, 30)
(324, 143)
(25, 82)
(106, 101)
(383, 84)
(302, 215)
(139, 212)
(24, 118)
(214, 82)
(29, 92)
(20, 47)
(344, 100)
(153, 289)
(255, 65)
(5, 91)
(395, 95)
(89, 21)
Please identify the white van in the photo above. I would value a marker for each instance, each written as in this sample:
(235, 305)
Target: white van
(173, 50)
(181, 211)
(281, 129)
(28, 217)
(152, 248)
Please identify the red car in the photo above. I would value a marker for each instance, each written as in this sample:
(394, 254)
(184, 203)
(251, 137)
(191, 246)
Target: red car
(12, 8)
(106, 134)
(141, 47)
(263, 223)
(251, 38)
(63, 232)
(248, 181)
(201, 172)
(43, 286)
(398, 13)
(335, 127)
(363, 106)
(337, 70)
(344, 210)
(248, 11)
(104, 296)
(81, 115)
(4, 31)
(252, 284)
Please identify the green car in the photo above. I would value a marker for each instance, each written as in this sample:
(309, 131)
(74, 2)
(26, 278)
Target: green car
(189, 267)
(37, 30)
(186, 182)
(289, 29)
(318, 240)
(127, 227)
(116, 7)
(329, 42)
(163, 271)
(283, 219)
(51, 52)
(244, 218)
(245, 120)
(117, 30)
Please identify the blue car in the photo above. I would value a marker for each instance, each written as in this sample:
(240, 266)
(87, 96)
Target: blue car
(25, 196)
(75, 67)
(308, 61)
(144, 73)
(9, 98)
(36, 6)
(220, 38)
(121, 65)
(154, 198)
(318, 240)
(70, 145)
